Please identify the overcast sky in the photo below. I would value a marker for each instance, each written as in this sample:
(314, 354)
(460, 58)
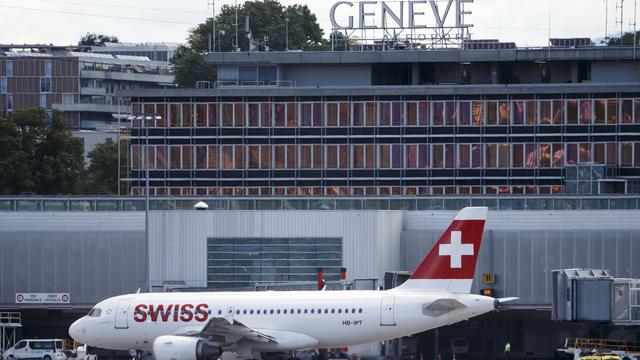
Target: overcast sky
(62, 22)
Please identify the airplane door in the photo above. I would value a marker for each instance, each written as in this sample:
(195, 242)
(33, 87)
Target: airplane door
(387, 316)
(122, 315)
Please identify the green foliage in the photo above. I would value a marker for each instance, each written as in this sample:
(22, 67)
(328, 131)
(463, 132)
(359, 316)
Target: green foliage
(627, 39)
(102, 174)
(266, 19)
(92, 39)
(189, 67)
(39, 155)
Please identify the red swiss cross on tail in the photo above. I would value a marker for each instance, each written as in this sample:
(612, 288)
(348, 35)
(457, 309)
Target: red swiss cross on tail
(451, 263)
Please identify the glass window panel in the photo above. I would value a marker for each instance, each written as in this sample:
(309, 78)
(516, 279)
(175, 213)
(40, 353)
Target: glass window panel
(423, 113)
(175, 115)
(518, 155)
(558, 112)
(477, 112)
(176, 156)
(465, 156)
(136, 157)
(265, 155)
(254, 157)
(239, 120)
(476, 156)
(187, 115)
(626, 154)
(530, 155)
(532, 112)
(345, 119)
(397, 156)
(412, 113)
(343, 153)
(558, 155)
(265, 115)
(358, 156)
(280, 156)
(201, 115)
(412, 156)
(292, 160)
(572, 154)
(385, 156)
(213, 157)
(332, 114)
(254, 115)
(545, 155)
(358, 114)
(161, 157)
(239, 157)
(504, 111)
(305, 156)
(438, 113)
(227, 157)
(504, 156)
(545, 112)
(599, 153)
(465, 112)
(636, 111)
(423, 156)
(490, 155)
(585, 153)
(612, 111)
(600, 111)
(627, 111)
(201, 157)
(371, 156)
(636, 156)
(292, 119)
(187, 157)
(450, 113)
(213, 115)
(227, 115)
(371, 113)
(438, 156)
(585, 112)
(317, 157)
(280, 115)
(318, 119)
(492, 113)
(573, 112)
(385, 113)
(450, 156)
(332, 156)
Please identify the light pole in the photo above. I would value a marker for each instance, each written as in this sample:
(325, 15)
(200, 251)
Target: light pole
(286, 36)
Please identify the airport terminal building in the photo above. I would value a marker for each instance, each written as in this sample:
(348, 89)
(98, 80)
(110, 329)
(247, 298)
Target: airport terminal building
(358, 159)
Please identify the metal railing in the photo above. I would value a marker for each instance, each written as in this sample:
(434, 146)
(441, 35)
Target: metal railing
(106, 204)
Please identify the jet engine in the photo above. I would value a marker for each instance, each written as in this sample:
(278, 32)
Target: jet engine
(183, 348)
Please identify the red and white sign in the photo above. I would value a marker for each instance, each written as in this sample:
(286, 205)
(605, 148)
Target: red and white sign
(43, 298)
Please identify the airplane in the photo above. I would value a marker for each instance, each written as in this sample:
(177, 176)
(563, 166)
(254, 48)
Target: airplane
(181, 326)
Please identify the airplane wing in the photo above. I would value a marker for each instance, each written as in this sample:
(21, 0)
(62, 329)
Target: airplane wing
(222, 332)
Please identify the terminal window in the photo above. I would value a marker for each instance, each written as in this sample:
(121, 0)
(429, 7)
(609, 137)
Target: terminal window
(243, 263)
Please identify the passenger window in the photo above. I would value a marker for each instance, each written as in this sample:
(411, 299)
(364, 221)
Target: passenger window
(209, 312)
(271, 311)
(353, 311)
(285, 311)
(312, 311)
(298, 311)
(237, 312)
(244, 312)
(333, 311)
(251, 312)
(219, 312)
(305, 311)
(20, 345)
(339, 311)
(326, 311)
(278, 311)
(319, 311)
(360, 310)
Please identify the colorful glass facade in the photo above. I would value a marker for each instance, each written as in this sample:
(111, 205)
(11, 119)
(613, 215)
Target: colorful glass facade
(373, 146)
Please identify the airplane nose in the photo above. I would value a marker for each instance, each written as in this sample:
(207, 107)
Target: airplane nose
(76, 331)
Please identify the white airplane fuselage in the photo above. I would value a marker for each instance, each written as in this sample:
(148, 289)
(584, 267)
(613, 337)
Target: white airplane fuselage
(313, 319)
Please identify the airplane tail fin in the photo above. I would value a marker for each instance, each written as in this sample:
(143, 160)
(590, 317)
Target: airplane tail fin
(451, 263)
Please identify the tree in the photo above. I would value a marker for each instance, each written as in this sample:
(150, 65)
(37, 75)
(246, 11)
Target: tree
(39, 155)
(627, 39)
(266, 19)
(189, 67)
(102, 174)
(92, 39)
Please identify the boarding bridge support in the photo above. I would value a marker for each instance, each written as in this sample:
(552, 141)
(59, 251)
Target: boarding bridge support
(9, 324)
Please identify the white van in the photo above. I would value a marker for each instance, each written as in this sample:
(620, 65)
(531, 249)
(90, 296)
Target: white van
(44, 349)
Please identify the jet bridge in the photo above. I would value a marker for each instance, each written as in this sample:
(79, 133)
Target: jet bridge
(594, 295)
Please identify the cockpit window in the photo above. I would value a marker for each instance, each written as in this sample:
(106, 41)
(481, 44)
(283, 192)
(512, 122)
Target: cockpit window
(95, 312)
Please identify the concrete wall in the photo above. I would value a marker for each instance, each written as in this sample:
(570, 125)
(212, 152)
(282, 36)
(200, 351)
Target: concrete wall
(327, 75)
(92, 256)
(521, 248)
(371, 239)
(619, 71)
